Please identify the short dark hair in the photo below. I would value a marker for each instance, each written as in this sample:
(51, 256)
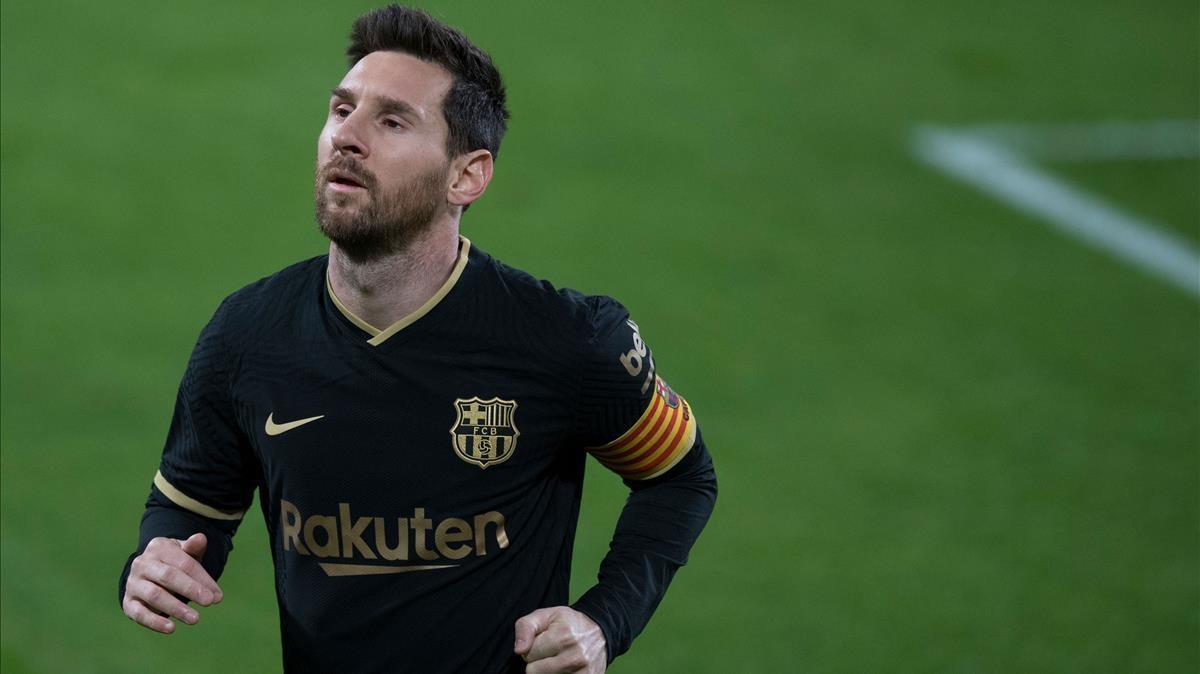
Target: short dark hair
(474, 108)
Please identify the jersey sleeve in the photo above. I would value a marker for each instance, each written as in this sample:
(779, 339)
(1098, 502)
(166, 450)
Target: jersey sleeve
(208, 465)
(630, 419)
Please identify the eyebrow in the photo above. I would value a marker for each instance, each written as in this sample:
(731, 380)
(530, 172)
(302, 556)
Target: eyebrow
(386, 103)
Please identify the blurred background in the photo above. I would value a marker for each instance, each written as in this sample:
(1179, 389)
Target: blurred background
(949, 438)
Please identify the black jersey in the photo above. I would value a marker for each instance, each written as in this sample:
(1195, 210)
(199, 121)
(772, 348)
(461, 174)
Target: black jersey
(421, 484)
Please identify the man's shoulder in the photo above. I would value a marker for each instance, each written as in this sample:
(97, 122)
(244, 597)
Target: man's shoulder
(290, 280)
(280, 293)
(566, 309)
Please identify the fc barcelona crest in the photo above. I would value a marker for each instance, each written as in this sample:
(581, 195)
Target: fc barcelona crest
(485, 431)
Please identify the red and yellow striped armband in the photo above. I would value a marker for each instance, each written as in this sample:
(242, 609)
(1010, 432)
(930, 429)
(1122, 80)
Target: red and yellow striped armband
(660, 438)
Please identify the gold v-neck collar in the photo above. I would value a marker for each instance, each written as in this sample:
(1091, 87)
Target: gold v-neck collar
(380, 336)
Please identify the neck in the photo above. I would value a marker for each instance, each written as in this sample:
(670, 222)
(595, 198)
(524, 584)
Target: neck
(385, 289)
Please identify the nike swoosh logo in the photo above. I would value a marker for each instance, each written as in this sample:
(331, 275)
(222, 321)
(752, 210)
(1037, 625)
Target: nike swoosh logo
(275, 429)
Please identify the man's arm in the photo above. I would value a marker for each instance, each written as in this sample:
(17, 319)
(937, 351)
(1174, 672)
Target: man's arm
(204, 484)
(180, 555)
(636, 426)
(658, 526)
(660, 522)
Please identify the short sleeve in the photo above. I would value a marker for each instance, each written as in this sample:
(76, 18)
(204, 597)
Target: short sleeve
(208, 466)
(630, 419)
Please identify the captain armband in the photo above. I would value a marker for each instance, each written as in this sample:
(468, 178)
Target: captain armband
(656, 442)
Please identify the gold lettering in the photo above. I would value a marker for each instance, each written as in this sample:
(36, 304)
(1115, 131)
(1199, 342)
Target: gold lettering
(343, 535)
(632, 360)
(420, 525)
(352, 534)
(481, 522)
(329, 524)
(453, 530)
(290, 518)
(401, 549)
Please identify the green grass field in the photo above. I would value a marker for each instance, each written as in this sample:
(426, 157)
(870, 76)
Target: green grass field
(948, 438)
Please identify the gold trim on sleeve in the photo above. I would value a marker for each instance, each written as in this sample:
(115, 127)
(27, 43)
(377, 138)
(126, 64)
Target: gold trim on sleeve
(188, 503)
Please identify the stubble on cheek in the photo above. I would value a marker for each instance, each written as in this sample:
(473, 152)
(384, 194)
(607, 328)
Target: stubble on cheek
(340, 212)
(375, 222)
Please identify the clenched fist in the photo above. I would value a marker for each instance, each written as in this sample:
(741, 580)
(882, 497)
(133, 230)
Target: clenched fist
(169, 567)
(560, 640)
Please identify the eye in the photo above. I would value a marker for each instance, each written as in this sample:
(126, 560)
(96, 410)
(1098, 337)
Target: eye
(341, 111)
(393, 123)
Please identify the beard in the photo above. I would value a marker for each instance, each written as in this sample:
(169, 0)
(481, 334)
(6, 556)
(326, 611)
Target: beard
(389, 222)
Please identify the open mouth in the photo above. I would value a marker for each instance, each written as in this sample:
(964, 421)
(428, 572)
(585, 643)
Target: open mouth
(342, 180)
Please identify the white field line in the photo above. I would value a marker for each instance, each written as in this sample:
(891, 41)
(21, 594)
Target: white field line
(1161, 139)
(1004, 174)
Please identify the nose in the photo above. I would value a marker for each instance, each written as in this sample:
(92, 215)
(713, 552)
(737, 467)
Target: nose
(348, 139)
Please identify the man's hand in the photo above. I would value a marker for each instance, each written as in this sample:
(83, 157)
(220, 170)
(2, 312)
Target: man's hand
(169, 567)
(560, 640)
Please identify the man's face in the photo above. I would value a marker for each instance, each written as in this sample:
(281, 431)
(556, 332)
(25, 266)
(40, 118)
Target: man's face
(382, 170)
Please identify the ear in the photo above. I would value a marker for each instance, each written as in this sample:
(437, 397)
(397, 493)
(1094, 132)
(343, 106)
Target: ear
(470, 175)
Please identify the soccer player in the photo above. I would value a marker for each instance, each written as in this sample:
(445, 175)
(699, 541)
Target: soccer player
(416, 415)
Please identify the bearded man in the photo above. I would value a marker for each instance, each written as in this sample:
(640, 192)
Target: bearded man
(415, 415)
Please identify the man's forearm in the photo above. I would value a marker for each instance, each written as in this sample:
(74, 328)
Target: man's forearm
(658, 525)
(164, 518)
